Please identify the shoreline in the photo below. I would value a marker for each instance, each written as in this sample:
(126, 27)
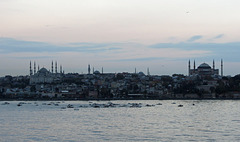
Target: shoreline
(115, 99)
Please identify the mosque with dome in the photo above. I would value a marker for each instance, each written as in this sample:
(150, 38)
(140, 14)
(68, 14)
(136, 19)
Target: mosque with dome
(204, 70)
(43, 75)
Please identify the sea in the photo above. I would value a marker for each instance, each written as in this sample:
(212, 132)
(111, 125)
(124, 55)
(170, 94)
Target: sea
(128, 120)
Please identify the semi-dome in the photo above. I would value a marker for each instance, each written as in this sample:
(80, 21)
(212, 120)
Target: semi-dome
(204, 66)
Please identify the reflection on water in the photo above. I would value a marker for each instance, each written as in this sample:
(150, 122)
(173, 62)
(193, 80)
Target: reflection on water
(206, 120)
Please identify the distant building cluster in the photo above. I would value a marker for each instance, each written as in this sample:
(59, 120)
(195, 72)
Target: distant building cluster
(203, 82)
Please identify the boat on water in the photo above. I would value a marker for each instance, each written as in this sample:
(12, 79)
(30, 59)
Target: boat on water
(5, 103)
(70, 106)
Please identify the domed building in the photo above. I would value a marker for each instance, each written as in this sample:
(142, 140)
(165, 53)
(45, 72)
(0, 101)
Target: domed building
(141, 73)
(204, 69)
(43, 75)
(43, 72)
(96, 72)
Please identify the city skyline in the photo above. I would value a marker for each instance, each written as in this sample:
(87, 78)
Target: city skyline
(56, 67)
(119, 35)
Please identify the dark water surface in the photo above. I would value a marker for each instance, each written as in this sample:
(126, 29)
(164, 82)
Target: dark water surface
(206, 120)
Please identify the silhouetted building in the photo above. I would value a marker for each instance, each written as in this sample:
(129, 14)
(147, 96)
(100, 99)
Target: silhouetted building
(204, 69)
(43, 75)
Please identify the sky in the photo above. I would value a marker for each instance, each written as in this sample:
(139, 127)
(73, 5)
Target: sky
(119, 35)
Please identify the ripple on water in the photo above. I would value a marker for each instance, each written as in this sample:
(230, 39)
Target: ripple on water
(205, 121)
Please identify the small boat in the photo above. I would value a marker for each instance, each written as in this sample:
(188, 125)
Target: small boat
(5, 103)
(180, 105)
(70, 106)
(149, 105)
(135, 104)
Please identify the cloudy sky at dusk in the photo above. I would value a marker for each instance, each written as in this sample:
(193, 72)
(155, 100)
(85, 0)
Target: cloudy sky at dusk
(119, 35)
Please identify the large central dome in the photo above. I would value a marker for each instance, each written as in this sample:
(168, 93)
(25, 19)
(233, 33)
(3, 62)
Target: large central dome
(204, 66)
(43, 71)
